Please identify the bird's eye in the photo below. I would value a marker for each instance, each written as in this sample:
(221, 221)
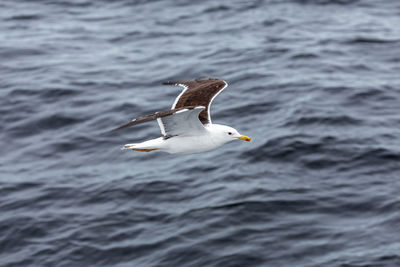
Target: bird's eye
(229, 133)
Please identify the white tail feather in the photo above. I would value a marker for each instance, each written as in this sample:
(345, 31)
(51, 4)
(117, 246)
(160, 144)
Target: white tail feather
(150, 144)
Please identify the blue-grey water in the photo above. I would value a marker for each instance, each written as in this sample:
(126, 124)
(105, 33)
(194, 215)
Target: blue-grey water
(315, 83)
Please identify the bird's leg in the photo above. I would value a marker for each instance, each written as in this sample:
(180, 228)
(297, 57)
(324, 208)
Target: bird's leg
(144, 149)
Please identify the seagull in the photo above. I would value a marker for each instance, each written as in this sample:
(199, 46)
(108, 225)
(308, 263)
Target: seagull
(187, 128)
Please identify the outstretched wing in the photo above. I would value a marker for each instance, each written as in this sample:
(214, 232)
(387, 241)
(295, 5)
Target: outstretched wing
(199, 92)
(178, 121)
(183, 122)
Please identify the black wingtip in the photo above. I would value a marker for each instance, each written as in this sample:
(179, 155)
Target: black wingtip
(126, 125)
(169, 83)
(110, 131)
(114, 130)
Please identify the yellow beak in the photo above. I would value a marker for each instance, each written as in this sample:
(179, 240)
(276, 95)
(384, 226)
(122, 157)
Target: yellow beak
(245, 138)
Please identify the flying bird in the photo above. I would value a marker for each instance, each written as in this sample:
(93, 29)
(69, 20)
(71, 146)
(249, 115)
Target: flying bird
(187, 128)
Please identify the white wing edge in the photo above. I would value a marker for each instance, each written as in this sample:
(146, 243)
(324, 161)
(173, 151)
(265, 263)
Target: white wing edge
(209, 104)
(177, 98)
(161, 125)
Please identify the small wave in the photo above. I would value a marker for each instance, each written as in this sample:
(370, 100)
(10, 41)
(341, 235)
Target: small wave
(285, 148)
(336, 89)
(250, 207)
(76, 143)
(217, 9)
(52, 122)
(14, 53)
(389, 207)
(8, 189)
(327, 2)
(25, 17)
(326, 153)
(271, 206)
(370, 95)
(22, 92)
(247, 110)
(272, 22)
(342, 120)
(304, 56)
(54, 93)
(365, 40)
(154, 191)
(34, 126)
(14, 232)
(48, 94)
(126, 37)
(376, 156)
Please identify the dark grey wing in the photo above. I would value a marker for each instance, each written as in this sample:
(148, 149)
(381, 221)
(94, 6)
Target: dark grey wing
(199, 92)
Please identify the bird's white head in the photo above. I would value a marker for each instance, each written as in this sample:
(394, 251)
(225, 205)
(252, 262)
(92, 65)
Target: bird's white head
(226, 134)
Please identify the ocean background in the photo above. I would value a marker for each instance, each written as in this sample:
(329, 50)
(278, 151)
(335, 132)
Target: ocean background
(315, 83)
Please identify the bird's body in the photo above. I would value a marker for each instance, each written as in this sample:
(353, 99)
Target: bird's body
(186, 144)
(187, 127)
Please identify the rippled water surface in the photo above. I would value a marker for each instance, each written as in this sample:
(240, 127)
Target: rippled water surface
(315, 83)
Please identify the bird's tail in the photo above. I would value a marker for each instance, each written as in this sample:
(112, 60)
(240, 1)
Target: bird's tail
(143, 147)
